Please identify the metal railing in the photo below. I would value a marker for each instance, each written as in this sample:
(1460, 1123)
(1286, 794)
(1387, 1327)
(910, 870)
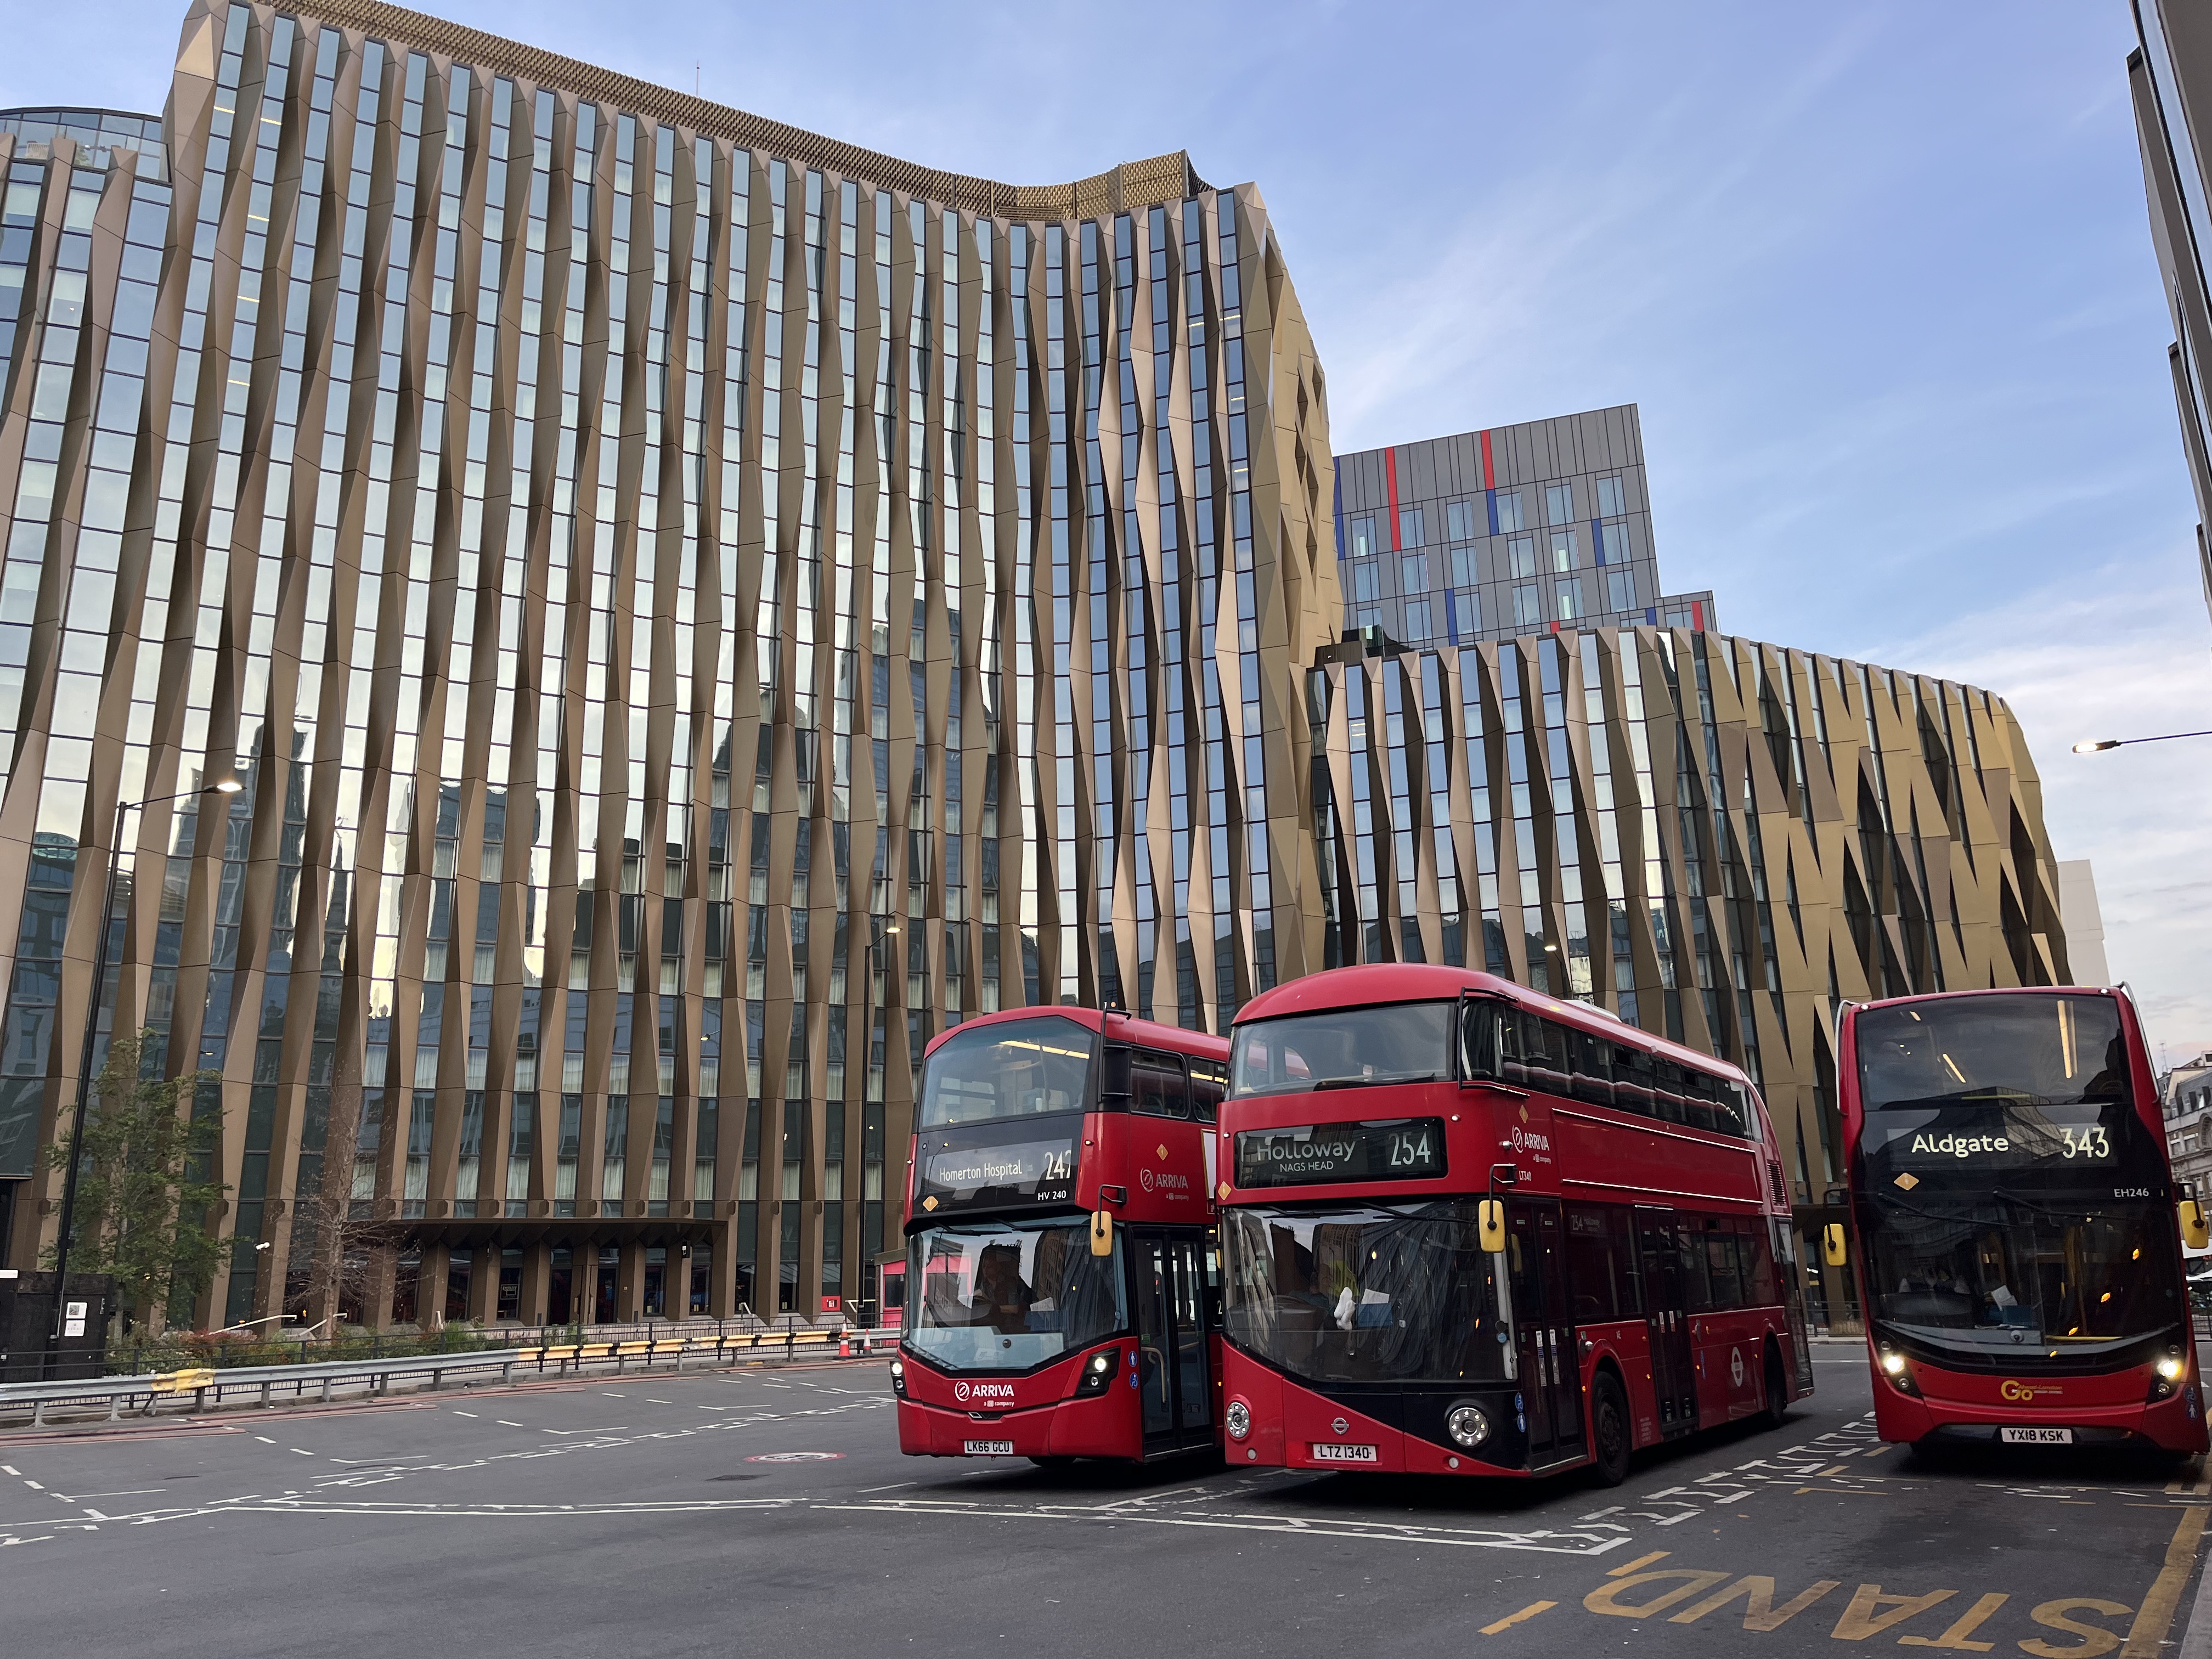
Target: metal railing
(208, 1387)
(277, 1349)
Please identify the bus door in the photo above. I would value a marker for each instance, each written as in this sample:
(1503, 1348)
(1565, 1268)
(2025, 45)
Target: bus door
(1544, 1331)
(1673, 1365)
(1174, 1367)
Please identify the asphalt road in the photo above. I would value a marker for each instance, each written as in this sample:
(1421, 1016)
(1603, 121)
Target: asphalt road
(752, 1511)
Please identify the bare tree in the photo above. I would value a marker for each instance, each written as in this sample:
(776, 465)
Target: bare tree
(344, 1242)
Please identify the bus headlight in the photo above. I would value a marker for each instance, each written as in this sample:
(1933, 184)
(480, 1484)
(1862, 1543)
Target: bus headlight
(1098, 1371)
(1237, 1419)
(898, 1377)
(1467, 1426)
(2166, 1374)
(1892, 1367)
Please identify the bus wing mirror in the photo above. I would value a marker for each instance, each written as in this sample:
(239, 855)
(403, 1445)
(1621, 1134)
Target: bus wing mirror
(1833, 1249)
(2195, 1231)
(1489, 1223)
(1102, 1233)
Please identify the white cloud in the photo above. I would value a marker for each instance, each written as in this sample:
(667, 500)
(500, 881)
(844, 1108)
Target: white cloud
(2120, 652)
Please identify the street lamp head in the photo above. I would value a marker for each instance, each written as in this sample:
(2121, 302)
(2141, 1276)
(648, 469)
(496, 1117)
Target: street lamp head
(226, 786)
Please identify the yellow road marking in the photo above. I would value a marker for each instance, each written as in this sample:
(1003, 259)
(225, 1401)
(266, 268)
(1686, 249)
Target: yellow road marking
(2148, 1631)
(1640, 1561)
(1968, 1623)
(1872, 1613)
(1513, 1619)
(1838, 1469)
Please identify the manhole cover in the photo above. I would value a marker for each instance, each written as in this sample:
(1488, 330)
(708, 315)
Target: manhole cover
(796, 1457)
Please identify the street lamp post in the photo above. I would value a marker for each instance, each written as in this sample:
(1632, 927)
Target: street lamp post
(2098, 745)
(229, 786)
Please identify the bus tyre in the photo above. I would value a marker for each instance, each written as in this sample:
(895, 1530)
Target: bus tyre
(1609, 1436)
(1777, 1401)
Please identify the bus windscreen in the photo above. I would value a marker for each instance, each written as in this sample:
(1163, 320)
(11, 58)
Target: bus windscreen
(1345, 1048)
(1013, 1068)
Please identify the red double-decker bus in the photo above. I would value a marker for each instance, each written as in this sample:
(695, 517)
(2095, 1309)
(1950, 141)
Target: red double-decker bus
(2018, 1228)
(1063, 1282)
(1470, 1230)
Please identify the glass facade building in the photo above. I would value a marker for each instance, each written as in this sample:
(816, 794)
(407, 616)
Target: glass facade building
(1715, 839)
(2169, 79)
(696, 608)
(1511, 530)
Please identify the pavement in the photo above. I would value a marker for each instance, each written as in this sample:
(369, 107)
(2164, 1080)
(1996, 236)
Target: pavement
(753, 1510)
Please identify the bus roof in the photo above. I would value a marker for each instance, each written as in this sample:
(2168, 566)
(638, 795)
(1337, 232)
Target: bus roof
(1992, 991)
(1383, 982)
(1123, 1027)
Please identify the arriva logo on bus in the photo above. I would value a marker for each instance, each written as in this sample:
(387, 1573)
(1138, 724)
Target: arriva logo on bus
(1163, 1181)
(983, 1391)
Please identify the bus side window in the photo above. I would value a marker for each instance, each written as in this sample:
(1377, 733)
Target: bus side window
(1699, 1090)
(1156, 1085)
(1592, 1067)
(1759, 1287)
(1631, 1079)
(1547, 1051)
(1512, 1061)
(1690, 1259)
(1209, 1083)
(1724, 1273)
(1598, 1288)
(1736, 1116)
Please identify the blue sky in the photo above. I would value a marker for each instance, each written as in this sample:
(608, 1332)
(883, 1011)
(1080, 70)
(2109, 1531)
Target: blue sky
(1879, 277)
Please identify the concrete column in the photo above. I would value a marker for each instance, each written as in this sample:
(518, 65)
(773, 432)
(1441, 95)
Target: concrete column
(629, 1286)
(430, 1287)
(377, 1285)
(722, 1282)
(537, 1271)
(484, 1283)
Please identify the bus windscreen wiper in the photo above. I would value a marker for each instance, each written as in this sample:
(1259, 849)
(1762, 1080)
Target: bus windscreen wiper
(1371, 1082)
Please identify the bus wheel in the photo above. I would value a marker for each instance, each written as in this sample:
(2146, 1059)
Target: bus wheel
(1777, 1391)
(1609, 1438)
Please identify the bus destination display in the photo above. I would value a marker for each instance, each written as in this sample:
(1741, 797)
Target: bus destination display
(955, 1176)
(1404, 1149)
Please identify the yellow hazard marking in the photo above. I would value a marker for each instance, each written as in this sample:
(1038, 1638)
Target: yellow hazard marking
(2095, 1638)
(2148, 1632)
(1759, 1612)
(1626, 1568)
(1513, 1619)
(1968, 1622)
